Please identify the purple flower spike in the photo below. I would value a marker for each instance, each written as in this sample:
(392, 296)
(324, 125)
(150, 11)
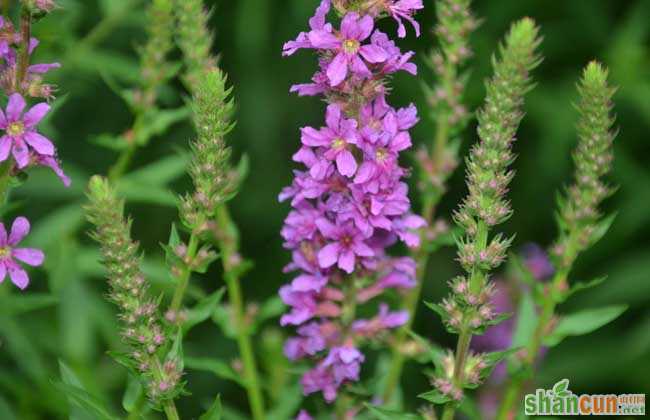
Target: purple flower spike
(9, 253)
(20, 131)
(349, 202)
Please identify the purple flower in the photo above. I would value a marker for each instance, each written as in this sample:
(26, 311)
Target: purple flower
(9, 253)
(341, 365)
(317, 22)
(385, 320)
(52, 163)
(404, 9)
(350, 53)
(20, 131)
(335, 141)
(537, 261)
(346, 245)
(304, 415)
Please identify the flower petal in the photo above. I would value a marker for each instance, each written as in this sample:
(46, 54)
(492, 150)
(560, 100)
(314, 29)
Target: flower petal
(20, 152)
(373, 54)
(30, 256)
(35, 114)
(19, 229)
(3, 272)
(328, 255)
(345, 163)
(5, 147)
(3, 235)
(338, 69)
(18, 277)
(39, 143)
(346, 261)
(15, 107)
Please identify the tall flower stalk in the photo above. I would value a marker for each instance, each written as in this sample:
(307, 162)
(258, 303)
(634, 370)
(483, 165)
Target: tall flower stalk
(22, 146)
(468, 309)
(349, 203)
(580, 221)
(155, 71)
(205, 211)
(438, 160)
(142, 326)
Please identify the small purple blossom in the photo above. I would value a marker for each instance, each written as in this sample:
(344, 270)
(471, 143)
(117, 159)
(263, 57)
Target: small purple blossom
(20, 131)
(404, 9)
(304, 415)
(9, 253)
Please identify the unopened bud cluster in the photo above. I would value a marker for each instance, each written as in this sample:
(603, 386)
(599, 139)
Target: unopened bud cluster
(455, 26)
(155, 69)
(469, 310)
(214, 180)
(593, 158)
(194, 39)
(142, 329)
(474, 371)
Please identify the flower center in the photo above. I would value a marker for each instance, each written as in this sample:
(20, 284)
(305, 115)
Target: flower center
(346, 241)
(351, 46)
(381, 154)
(338, 144)
(5, 252)
(16, 128)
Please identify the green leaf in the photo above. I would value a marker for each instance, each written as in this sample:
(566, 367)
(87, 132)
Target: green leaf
(601, 228)
(435, 352)
(203, 310)
(218, 367)
(110, 142)
(583, 322)
(436, 397)
(577, 287)
(161, 172)
(157, 122)
(71, 386)
(138, 192)
(526, 321)
(176, 352)
(133, 394)
(215, 411)
(19, 304)
(384, 414)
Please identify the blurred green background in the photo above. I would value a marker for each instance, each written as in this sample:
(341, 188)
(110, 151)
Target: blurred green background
(95, 40)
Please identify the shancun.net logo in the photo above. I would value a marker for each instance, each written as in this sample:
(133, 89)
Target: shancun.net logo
(560, 401)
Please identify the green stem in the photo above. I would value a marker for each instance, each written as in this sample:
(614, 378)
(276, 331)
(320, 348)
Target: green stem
(23, 57)
(462, 350)
(139, 403)
(122, 163)
(422, 260)
(184, 278)
(6, 4)
(169, 407)
(228, 244)
(6, 168)
(514, 387)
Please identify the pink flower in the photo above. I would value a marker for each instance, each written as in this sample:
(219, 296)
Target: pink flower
(20, 131)
(346, 245)
(404, 9)
(335, 141)
(349, 51)
(9, 253)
